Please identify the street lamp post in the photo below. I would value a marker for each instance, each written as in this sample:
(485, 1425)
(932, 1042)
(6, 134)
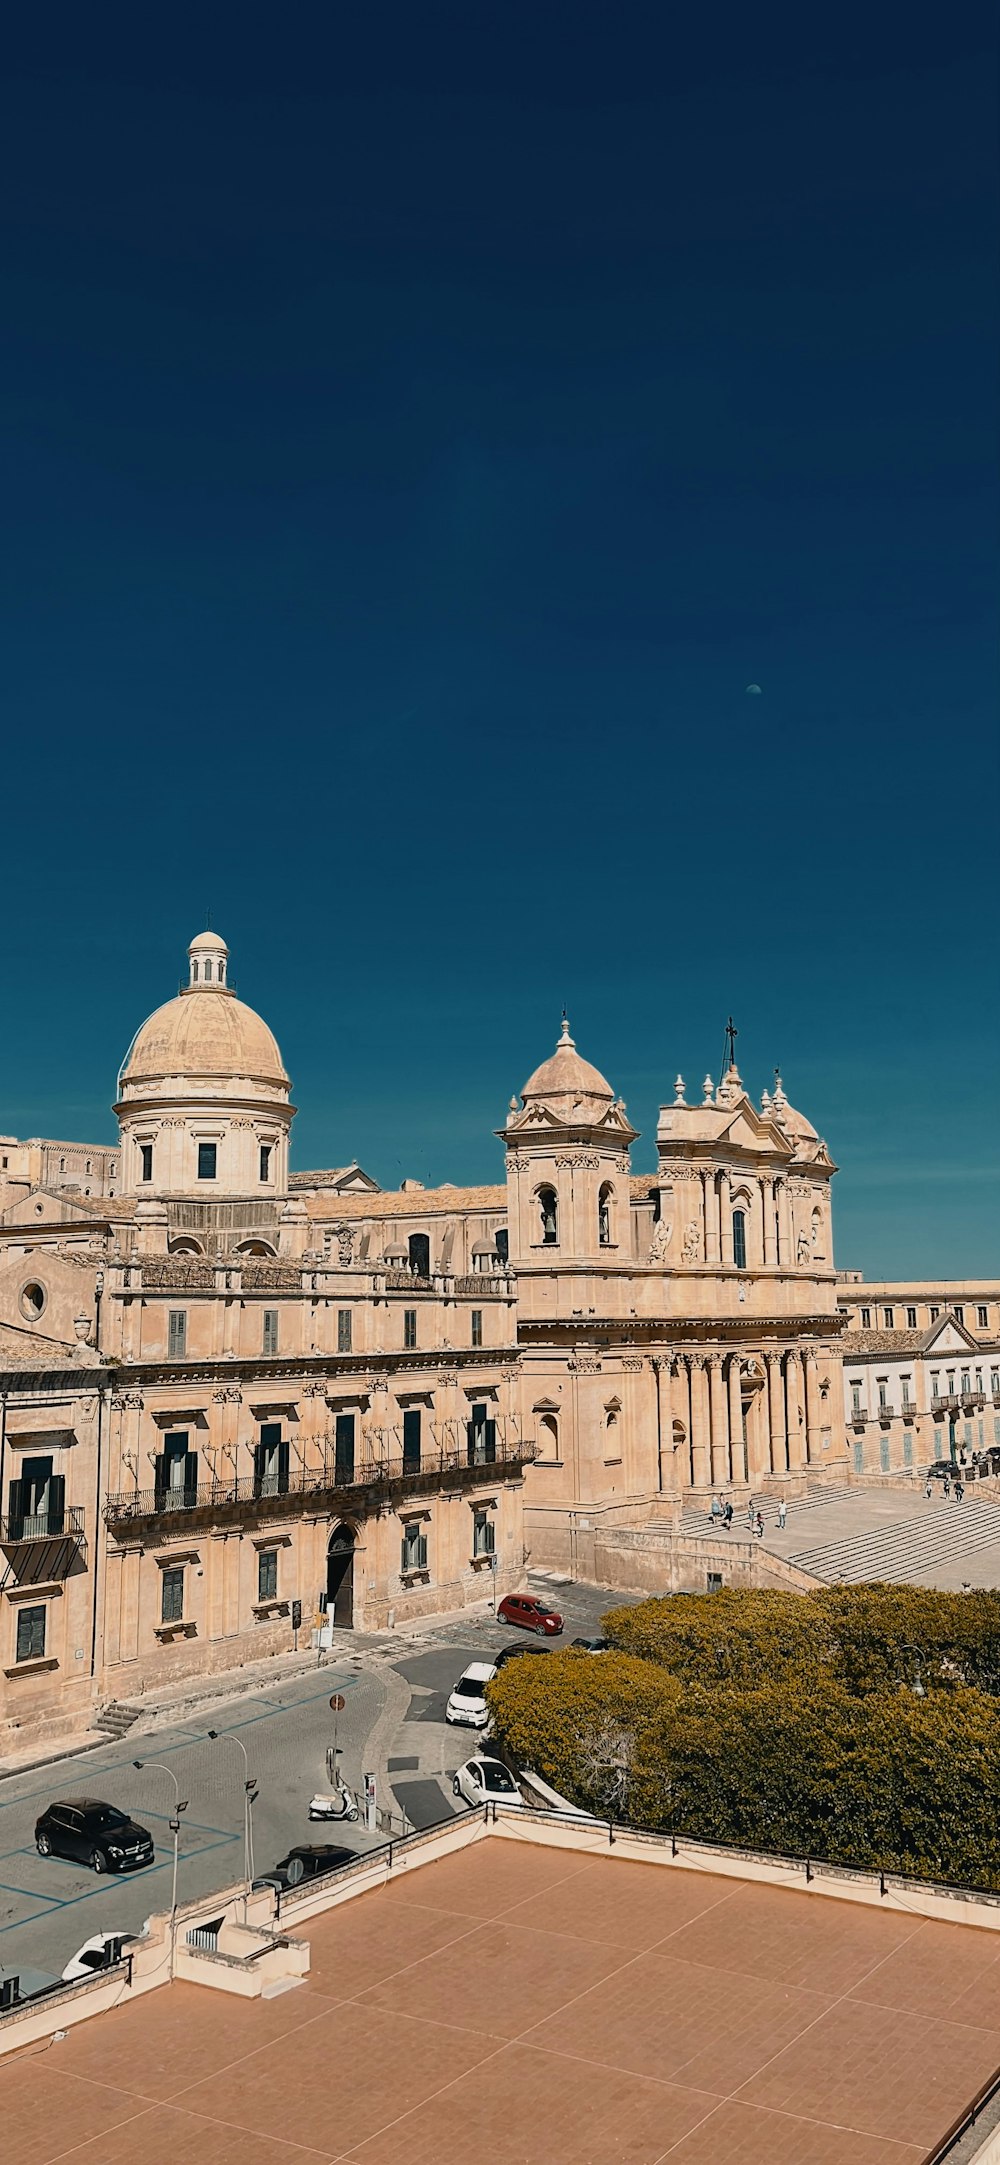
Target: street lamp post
(180, 1805)
(917, 1687)
(249, 1799)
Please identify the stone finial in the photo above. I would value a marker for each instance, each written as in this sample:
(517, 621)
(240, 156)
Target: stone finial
(779, 1102)
(765, 1102)
(564, 1036)
(707, 1090)
(679, 1090)
(513, 1107)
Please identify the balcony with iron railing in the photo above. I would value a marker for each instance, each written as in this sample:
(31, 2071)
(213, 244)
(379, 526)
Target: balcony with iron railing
(47, 1544)
(958, 1401)
(327, 1486)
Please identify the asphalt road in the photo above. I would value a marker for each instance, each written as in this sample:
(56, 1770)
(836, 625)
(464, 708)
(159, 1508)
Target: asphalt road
(48, 1906)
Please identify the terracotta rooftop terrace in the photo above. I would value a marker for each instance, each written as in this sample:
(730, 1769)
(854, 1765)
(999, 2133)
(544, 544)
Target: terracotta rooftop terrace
(538, 2005)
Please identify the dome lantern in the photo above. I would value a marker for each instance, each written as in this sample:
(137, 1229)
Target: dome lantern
(208, 960)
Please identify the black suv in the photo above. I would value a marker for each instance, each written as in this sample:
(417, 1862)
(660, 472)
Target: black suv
(306, 1861)
(514, 1653)
(93, 1833)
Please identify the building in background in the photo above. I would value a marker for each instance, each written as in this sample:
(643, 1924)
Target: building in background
(231, 1395)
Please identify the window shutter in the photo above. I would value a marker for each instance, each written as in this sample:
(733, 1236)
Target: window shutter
(491, 1441)
(191, 1480)
(57, 1503)
(283, 1466)
(422, 1552)
(160, 1478)
(470, 1442)
(403, 1557)
(258, 1469)
(15, 1509)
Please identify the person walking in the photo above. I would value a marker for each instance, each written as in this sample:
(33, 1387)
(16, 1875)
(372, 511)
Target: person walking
(759, 1526)
(946, 1484)
(717, 1511)
(728, 1514)
(929, 1490)
(782, 1514)
(959, 1491)
(750, 1514)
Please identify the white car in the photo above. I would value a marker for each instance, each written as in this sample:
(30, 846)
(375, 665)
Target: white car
(482, 1779)
(467, 1705)
(98, 1953)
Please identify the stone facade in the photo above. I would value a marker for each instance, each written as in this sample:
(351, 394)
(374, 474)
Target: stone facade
(228, 1391)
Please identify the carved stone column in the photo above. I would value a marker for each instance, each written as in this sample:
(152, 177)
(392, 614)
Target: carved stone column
(759, 1438)
(793, 1396)
(711, 1210)
(770, 1244)
(785, 1256)
(720, 1421)
(681, 1398)
(737, 1453)
(814, 1441)
(776, 1413)
(700, 1425)
(726, 1215)
(672, 1471)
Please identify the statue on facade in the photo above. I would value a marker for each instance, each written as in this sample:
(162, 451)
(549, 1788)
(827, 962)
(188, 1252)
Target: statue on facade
(692, 1240)
(660, 1241)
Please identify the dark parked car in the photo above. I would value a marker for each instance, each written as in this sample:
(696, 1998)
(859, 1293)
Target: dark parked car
(94, 1833)
(308, 1860)
(593, 1646)
(531, 1613)
(513, 1653)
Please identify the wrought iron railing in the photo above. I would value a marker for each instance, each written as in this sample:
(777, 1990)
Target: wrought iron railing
(50, 1525)
(376, 1481)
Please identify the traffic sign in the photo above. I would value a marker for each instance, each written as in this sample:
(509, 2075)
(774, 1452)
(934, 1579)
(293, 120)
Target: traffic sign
(337, 1703)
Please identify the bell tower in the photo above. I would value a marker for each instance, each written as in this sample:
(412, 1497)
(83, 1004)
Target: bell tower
(567, 1168)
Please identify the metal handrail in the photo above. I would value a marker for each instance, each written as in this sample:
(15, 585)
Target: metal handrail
(43, 1525)
(378, 1477)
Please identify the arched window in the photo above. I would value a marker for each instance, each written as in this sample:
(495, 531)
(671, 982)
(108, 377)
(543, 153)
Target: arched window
(549, 1210)
(604, 1214)
(817, 1231)
(740, 1239)
(420, 1255)
(548, 1435)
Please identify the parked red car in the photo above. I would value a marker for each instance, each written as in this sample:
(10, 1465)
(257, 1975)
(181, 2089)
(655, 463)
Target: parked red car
(531, 1614)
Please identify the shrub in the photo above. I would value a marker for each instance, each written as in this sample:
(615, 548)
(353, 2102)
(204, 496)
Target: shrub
(737, 1636)
(578, 1719)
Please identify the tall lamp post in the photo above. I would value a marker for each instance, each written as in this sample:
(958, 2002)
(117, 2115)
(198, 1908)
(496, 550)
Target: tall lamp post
(249, 1800)
(180, 1805)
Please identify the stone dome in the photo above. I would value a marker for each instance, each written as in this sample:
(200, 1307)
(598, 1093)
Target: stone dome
(206, 1031)
(565, 1075)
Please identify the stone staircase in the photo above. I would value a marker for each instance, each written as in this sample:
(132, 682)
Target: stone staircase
(116, 1718)
(907, 1548)
(696, 1521)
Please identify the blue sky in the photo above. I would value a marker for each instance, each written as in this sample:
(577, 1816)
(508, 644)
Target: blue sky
(417, 432)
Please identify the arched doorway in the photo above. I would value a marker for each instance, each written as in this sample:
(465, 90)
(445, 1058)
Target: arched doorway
(340, 1577)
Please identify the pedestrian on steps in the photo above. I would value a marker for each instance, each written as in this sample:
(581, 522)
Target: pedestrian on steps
(759, 1527)
(959, 1491)
(782, 1514)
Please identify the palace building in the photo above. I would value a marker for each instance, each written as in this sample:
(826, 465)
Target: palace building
(239, 1403)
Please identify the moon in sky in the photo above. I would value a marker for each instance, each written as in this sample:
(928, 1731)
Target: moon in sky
(754, 688)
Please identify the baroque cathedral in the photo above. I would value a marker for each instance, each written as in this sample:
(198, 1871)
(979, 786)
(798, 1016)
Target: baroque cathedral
(239, 1404)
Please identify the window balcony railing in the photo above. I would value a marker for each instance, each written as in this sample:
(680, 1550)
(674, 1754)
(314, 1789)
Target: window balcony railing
(48, 1525)
(376, 1483)
(858, 1418)
(909, 1409)
(949, 1402)
(884, 1410)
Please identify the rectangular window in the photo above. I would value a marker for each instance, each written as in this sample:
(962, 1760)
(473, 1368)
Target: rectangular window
(866, 1319)
(409, 1329)
(343, 1330)
(483, 1534)
(414, 1552)
(889, 1318)
(267, 1575)
(271, 1461)
(343, 1470)
(859, 1458)
(960, 1315)
(477, 1326)
(911, 1319)
(882, 1399)
(883, 1452)
(907, 1449)
(855, 1397)
(739, 1239)
(270, 1331)
(905, 1381)
(265, 1161)
(935, 1312)
(31, 1633)
(982, 1317)
(995, 1381)
(172, 1597)
(206, 1161)
(411, 1440)
(146, 1155)
(967, 1434)
(966, 1383)
(996, 1428)
(177, 1324)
